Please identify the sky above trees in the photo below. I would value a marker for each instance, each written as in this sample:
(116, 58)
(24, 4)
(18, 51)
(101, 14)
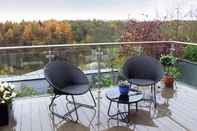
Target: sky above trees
(17, 10)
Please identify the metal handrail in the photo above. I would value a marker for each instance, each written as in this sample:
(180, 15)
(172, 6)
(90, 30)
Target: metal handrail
(95, 44)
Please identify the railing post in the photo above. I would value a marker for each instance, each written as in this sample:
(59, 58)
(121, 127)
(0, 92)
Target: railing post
(112, 56)
(141, 51)
(99, 63)
(99, 55)
(50, 53)
(50, 56)
(172, 49)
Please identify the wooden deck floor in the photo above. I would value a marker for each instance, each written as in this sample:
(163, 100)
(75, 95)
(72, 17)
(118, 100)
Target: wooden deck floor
(176, 111)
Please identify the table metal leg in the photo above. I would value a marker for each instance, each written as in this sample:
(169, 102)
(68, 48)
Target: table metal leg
(136, 106)
(121, 116)
(128, 118)
(108, 112)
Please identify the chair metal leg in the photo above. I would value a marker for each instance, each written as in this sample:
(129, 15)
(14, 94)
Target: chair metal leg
(92, 98)
(151, 88)
(50, 107)
(155, 98)
(65, 116)
(52, 101)
(84, 105)
(75, 107)
(69, 111)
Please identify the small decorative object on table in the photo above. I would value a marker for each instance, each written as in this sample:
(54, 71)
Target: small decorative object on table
(123, 87)
(6, 95)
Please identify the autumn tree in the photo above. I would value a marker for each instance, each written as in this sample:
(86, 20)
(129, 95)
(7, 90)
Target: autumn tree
(144, 31)
(9, 36)
(1, 38)
(27, 35)
(36, 32)
(57, 32)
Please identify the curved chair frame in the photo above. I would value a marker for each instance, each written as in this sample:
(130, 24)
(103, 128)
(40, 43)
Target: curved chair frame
(58, 92)
(143, 68)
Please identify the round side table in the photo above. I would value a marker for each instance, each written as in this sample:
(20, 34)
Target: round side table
(114, 96)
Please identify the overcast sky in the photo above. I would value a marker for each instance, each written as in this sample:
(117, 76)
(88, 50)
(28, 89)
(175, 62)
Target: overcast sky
(17, 10)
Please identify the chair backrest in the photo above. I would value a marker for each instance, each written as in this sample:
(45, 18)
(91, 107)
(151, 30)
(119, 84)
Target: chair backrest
(60, 74)
(143, 67)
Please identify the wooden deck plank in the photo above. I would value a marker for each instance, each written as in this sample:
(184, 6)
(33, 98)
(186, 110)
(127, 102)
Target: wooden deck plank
(44, 116)
(26, 123)
(36, 121)
(32, 114)
(16, 122)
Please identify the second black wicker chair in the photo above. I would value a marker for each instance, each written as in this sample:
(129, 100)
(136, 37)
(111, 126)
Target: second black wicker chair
(143, 71)
(66, 79)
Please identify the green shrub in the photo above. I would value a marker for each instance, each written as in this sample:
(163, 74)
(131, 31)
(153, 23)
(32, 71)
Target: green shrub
(174, 71)
(27, 91)
(105, 80)
(190, 53)
(5, 70)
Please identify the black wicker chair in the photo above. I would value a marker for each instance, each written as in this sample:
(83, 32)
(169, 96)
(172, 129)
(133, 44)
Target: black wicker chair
(66, 79)
(143, 71)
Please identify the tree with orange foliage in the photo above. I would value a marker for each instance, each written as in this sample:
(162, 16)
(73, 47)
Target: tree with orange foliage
(27, 35)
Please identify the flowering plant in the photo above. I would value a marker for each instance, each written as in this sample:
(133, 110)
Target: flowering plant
(168, 60)
(124, 83)
(6, 92)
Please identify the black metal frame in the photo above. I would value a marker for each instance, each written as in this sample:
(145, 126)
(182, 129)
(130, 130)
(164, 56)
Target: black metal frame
(70, 111)
(153, 92)
(155, 73)
(124, 115)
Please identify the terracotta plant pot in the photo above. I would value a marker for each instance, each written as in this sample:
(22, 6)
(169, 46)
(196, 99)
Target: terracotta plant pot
(168, 81)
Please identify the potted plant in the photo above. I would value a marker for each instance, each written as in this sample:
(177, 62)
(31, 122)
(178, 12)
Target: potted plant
(171, 71)
(123, 87)
(6, 95)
